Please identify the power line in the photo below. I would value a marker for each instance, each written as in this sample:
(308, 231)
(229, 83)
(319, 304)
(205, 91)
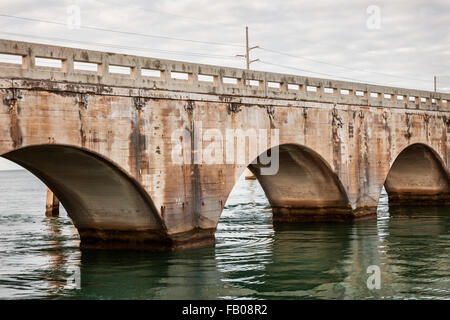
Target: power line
(109, 45)
(193, 53)
(123, 32)
(213, 43)
(179, 53)
(65, 40)
(319, 73)
(315, 42)
(340, 66)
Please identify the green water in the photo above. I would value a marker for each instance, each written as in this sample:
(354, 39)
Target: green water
(40, 258)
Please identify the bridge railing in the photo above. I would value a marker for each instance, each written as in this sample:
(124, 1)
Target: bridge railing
(54, 63)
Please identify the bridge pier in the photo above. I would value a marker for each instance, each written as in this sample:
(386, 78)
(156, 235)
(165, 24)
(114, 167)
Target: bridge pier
(418, 200)
(51, 204)
(320, 214)
(146, 239)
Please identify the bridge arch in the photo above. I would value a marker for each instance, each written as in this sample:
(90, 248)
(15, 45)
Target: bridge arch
(418, 176)
(109, 208)
(304, 188)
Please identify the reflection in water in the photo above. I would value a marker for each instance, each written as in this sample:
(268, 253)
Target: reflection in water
(56, 254)
(252, 258)
(60, 266)
(140, 274)
(419, 252)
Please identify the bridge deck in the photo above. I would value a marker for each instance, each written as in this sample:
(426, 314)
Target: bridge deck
(158, 74)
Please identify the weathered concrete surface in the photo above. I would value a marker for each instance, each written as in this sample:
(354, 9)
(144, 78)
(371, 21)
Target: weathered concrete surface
(304, 188)
(418, 177)
(103, 144)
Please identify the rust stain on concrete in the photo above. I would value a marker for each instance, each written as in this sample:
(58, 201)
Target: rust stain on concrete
(138, 162)
(14, 129)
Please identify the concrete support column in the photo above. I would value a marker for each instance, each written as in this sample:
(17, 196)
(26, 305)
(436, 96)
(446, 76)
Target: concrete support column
(418, 199)
(51, 204)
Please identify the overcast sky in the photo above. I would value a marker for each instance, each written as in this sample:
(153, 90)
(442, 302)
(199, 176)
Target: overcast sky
(398, 43)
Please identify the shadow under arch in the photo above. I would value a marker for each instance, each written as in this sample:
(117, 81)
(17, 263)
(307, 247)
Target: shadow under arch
(109, 208)
(418, 177)
(304, 188)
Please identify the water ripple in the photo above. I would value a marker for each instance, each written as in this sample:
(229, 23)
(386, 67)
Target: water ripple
(253, 259)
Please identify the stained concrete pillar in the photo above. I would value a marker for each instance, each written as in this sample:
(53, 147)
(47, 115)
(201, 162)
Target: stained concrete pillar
(51, 204)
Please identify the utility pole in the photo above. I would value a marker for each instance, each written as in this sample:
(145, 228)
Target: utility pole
(247, 51)
(434, 83)
(248, 174)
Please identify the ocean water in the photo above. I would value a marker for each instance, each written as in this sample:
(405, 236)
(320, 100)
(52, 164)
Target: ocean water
(409, 248)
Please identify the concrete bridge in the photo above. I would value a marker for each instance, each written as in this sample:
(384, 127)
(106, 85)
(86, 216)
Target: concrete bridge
(138, 150)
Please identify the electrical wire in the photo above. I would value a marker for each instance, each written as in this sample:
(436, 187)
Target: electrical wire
(319, 73)
(115, 46)
(341, 66)
(124, 32)
(195, 53)
(275, 51)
